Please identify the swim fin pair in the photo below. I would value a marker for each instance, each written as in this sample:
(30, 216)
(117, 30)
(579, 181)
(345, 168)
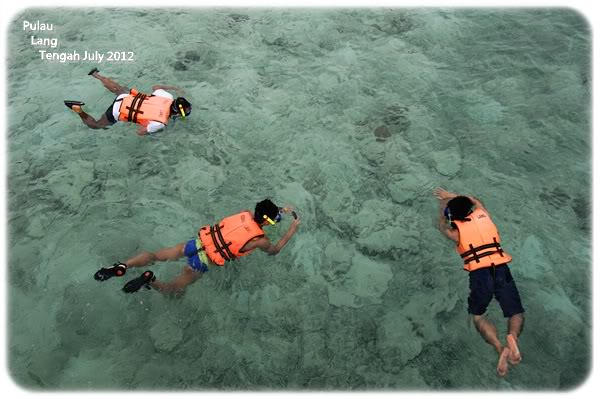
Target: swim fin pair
(118, 270)
(70, 103)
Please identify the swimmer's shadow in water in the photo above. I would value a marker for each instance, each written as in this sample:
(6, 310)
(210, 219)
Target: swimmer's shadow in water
(202, 54)
(388, 121)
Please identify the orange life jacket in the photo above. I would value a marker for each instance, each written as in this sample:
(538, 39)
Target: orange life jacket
(143, 109)
(479, 242)
(223, 241)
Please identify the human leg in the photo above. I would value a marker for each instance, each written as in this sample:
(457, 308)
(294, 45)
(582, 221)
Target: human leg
(110, 84)
(196, 267)
(165, 254)
(481, 285)
(515, 324)
(177, 286)
(488, 331)
(191, 273)
(511, 341)
(93, 123)
(507, 295)
(143, 259)
(89, 120)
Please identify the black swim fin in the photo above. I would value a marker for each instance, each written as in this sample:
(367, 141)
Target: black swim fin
(142, 281)
(93, 70)
(70, 104)
(117, 270)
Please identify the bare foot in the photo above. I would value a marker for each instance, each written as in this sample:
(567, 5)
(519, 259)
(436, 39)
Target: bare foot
(502, 368)
(77, 109)
(515, 354)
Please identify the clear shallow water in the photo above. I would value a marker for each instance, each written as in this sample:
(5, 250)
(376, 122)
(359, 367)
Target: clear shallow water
(353, 116)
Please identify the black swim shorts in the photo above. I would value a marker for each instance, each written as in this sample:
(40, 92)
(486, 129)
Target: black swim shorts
(109, 112)
(494, 281)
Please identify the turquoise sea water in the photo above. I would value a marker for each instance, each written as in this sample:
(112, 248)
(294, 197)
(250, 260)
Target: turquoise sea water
(351, 115)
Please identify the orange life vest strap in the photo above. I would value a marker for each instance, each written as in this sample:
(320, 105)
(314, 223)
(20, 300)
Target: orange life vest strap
(134, 109)
(221, 246)
(476, 256)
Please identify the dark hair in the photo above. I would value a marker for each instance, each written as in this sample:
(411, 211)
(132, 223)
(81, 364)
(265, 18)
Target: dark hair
(460, 207)
(265, 207)
(187, 107)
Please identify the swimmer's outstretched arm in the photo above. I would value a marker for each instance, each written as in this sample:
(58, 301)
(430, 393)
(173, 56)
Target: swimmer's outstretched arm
(265, 244)
(443, 195)
(165, 87)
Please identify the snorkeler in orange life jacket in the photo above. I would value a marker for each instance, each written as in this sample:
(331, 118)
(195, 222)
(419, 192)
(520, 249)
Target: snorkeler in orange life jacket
(465, 221)
(151, 111)
(233, 237)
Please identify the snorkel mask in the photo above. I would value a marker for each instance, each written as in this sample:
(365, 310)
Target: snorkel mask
(277, 218)
(448, 215)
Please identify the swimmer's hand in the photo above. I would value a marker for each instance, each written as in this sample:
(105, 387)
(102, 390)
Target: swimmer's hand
(287, 209)
(442, 194)
(295, 224)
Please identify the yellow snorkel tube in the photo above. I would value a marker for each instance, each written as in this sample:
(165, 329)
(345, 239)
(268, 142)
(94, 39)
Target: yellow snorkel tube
(181, 111)
(268, 219)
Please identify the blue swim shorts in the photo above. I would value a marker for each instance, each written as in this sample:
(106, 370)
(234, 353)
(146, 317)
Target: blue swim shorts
(196, 257)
